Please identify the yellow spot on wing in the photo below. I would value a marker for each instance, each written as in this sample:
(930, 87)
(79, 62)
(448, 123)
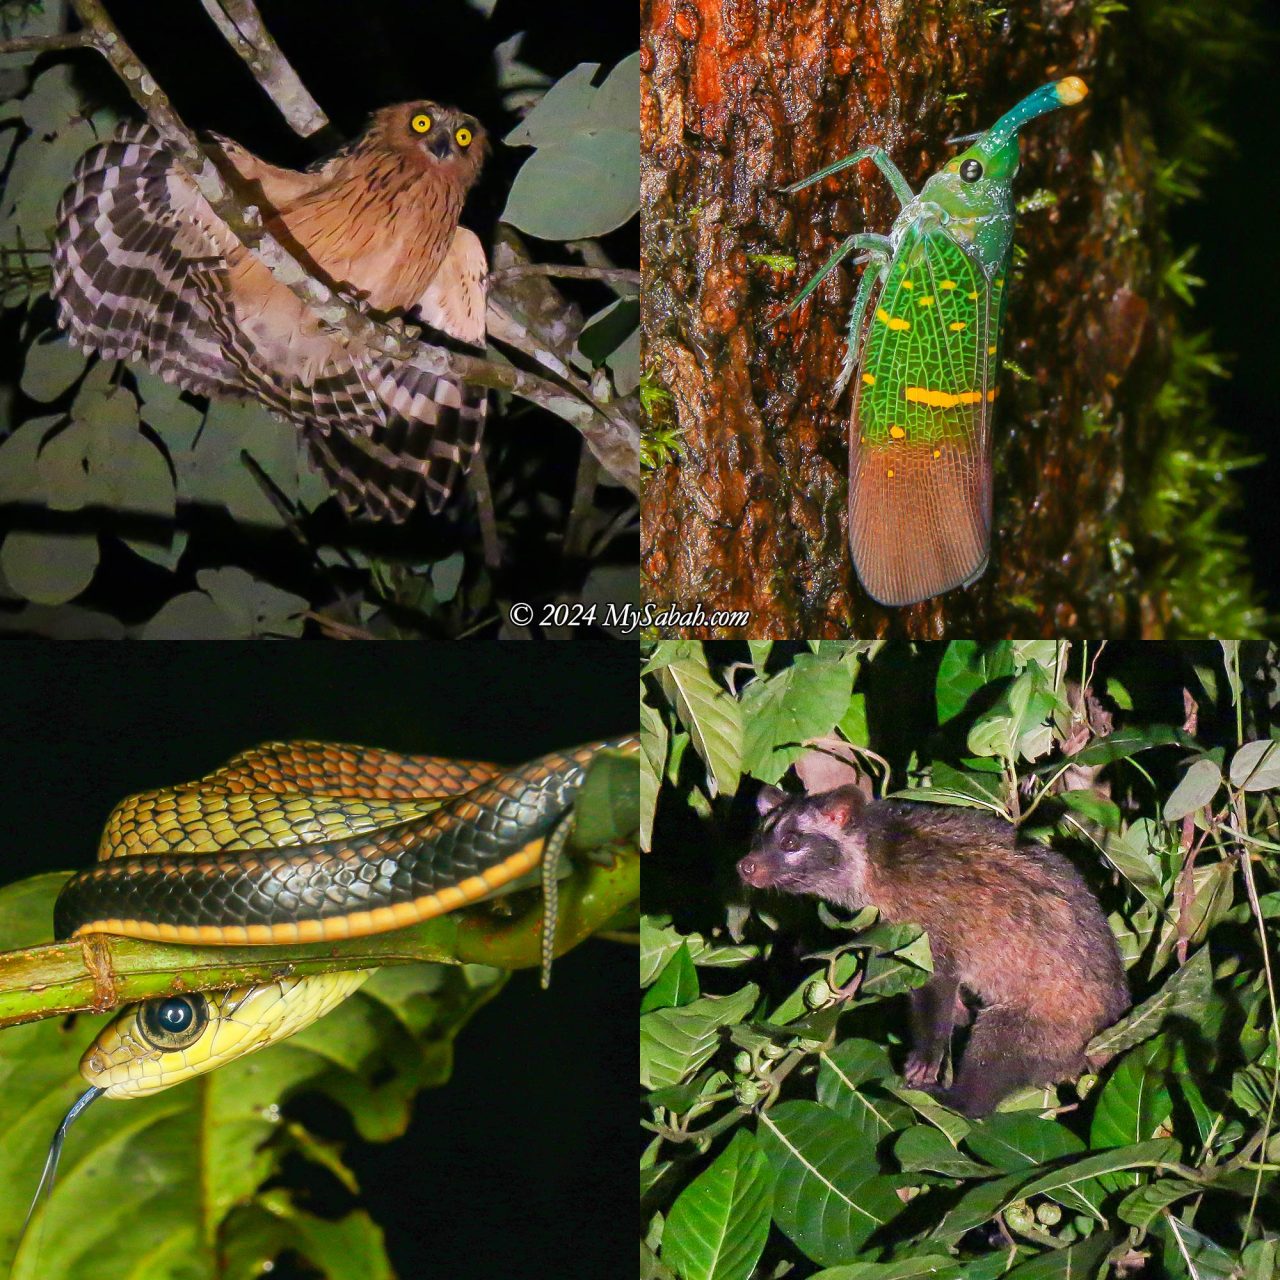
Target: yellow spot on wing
(973, 297)
(937, 453)
(991, 351)
(926, 301)
(892, 321)
(947, 284)
(897, 432)
(907, 284)
(890, 473)
(869, 379)
(945, 400)
(957, 325)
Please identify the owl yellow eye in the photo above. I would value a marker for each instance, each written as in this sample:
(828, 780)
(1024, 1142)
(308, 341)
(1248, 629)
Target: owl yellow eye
(421, 123)
(463, 137)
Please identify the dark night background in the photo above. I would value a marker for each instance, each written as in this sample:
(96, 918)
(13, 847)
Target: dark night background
(515, 1166)
(1240, 265)
(355, 58)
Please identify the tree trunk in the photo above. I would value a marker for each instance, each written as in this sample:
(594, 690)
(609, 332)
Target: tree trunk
(740, 98)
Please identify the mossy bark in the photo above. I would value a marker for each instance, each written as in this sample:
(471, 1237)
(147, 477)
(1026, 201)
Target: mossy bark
(741, 97)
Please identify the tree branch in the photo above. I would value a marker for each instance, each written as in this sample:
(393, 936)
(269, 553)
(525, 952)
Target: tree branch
(242, 26)
(101, 972)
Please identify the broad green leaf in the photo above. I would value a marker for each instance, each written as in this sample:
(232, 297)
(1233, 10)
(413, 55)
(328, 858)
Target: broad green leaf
(49, 568)
(717, 1228)
(712, 716)
(1014, 1140)
(583, 179)
(1132, 1105)
(1185, 994)
(843, 1074)
(1139, 1156)
(677, 984)
(1211, 886)
(966, 667)
(653, 754)
(934, 1266)
(1077, 1262)
(50, 367)
(830, 1195)
(1192, 1254)
(1256, 766)
(784, 711)
(1125, 743)
(1196, 789)
(674, 1043)
(607, 806)
(922, 1148)
(231, 605)
(1144, 1204)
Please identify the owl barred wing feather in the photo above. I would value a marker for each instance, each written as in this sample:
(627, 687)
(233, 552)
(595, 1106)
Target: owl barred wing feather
(144, 269)
(130, 270)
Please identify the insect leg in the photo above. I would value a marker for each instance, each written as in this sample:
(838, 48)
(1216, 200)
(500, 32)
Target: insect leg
(871, 277)
(878, 247)
(879, 157)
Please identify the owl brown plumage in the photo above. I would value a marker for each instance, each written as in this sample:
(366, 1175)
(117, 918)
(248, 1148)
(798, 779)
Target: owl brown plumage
(144, 269)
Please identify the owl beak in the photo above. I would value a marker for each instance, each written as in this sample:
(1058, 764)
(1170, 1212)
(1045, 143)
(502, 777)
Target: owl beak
(439, 145)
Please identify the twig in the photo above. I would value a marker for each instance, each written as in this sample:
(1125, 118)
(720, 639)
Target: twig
(241, 24)
(46, 44)
(610, 275)
(342, 630)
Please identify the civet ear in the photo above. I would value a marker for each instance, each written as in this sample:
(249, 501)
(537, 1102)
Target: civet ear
(769, 798)
(844, 805)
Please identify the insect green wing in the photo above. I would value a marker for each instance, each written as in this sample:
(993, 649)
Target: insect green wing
(919, 475)
(925, 372)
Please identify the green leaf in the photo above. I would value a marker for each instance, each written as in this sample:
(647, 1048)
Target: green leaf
(1077, 1262)
(922, 1148)
(677, 984)
(231, 605)
(843, 1076)
(966, 667)
(584, 178)
(50, 367)
(1132, 1105)
(1256, 766)
(653, 755)
(674, 1043)
(717, 1228)
(1196, 789)
(1186, 994)
(784, 711)
(932, 1266)
(712, 716)
(49, 568)
(1013, 1140)
(607, 806)
(830, 1196)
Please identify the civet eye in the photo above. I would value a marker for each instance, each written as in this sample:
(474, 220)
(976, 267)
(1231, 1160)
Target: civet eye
(970, 170)
(789, 844)
(421, 123)
(175, 1022)
(463, 137)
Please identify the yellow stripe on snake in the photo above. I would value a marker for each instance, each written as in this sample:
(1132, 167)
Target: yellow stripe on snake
(297, 842)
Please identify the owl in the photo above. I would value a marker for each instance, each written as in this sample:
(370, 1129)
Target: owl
(144, 269)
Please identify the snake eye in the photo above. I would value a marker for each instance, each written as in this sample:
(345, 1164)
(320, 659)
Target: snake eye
(421, 123)
(463, 137)
(970, 170)
(174, 1022)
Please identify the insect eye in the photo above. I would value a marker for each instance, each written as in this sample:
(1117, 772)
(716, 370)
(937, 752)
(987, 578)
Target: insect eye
(421, 123)
(174, 1022)
(970, 170)
(463, 137)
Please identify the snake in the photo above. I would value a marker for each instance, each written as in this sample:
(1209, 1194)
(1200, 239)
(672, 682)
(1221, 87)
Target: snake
(298, 842)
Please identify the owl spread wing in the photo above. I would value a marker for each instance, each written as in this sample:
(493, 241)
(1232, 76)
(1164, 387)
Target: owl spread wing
(144, 269)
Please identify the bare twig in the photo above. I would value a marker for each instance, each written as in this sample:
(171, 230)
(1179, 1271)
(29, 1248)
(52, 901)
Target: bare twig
(242, 25)
(46, 44)
(609, 275)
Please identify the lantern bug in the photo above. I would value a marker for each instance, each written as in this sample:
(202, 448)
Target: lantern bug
(920, 435)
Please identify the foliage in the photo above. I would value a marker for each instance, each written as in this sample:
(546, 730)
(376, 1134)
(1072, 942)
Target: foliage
(781, 1139)
(217, 1176)
(133, 509)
